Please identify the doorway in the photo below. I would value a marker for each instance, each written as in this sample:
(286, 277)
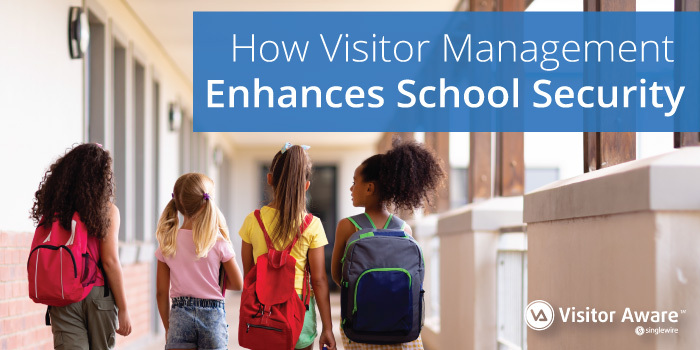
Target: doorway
(322, 202)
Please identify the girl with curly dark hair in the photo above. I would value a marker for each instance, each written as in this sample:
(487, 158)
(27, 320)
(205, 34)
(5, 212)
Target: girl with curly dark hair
(81, 182)
(405, 178)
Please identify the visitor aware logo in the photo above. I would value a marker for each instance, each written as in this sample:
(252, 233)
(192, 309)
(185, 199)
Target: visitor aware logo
(539, 315)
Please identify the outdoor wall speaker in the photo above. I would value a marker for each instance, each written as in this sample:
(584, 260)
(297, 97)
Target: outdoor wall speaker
(174, 117)
(78, 32)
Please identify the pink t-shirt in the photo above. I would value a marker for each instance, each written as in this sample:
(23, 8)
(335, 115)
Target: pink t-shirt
(196, 277)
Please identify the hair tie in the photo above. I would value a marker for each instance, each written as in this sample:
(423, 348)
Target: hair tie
(288, 145)
(206, 196)
(172, 195)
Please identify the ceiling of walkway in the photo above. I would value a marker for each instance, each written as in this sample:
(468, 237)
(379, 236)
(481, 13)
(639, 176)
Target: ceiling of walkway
(170, 21)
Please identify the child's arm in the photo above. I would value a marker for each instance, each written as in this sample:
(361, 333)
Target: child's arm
(109, 255)
(342, 233)
(233, 274)
(247, 257)
(163, 294)
(319, 282)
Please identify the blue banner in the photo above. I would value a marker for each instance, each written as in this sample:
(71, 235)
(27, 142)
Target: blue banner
(437, 71)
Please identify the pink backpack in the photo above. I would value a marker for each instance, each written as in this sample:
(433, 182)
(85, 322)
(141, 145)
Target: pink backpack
(60, 268)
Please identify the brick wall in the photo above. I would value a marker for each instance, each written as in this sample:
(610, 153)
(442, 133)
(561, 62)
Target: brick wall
(140, 297)
(22, 322)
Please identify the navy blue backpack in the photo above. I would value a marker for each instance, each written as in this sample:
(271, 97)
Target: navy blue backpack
(382, 283)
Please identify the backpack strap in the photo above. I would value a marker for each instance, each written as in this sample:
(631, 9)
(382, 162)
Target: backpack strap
(394, 223)
(363, 222)
(307, 221)
(104, 278)
(306, 287)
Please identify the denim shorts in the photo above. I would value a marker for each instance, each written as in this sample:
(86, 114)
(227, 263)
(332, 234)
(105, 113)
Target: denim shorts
(197, 323)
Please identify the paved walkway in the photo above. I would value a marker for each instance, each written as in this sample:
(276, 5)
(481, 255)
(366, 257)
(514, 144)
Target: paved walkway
(232, 307)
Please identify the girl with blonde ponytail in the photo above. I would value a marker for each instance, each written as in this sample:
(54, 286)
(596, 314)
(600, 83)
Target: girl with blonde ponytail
(189, 261)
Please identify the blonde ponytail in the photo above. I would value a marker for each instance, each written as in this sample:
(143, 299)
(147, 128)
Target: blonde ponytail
(206, 227)
(167, 229)
(191, 197)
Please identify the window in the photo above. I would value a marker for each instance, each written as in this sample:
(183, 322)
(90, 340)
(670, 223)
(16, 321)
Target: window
(95, 81)
(538, 177)
(120, 132)
(139, 132)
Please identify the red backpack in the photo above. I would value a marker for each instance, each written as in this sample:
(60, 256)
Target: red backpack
(272, 315)
(60, 269)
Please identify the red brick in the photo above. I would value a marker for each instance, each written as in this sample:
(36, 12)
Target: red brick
(18, 291)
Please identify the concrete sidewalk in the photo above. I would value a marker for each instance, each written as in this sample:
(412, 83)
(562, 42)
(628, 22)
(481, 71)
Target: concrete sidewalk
(232, 306)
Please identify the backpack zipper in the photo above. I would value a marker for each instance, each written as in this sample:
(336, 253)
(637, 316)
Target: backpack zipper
(36, 272)
(262, 327)
(410, 281)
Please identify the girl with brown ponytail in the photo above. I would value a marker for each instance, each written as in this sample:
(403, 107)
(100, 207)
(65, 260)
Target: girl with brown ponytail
(283, 217)
(189, 258)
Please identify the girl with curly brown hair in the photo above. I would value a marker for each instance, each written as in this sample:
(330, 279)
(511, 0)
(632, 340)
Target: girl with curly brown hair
(81, 182)
(405, 178)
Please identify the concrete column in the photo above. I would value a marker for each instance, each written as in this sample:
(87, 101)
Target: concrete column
(620, 237)
(468, 258)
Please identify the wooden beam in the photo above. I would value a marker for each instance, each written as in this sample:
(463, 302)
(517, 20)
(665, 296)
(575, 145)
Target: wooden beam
(510, 167)
(479, 177)
(483, 5)
(684, 139)
(439, 142)
(609, 5)
(603, 149)
(590, 151)
(616, 148)
(687, 5)
(512, 5)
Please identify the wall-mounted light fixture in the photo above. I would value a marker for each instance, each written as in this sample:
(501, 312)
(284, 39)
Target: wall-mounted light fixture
(78, 32)
(218, 156)
(174, 116)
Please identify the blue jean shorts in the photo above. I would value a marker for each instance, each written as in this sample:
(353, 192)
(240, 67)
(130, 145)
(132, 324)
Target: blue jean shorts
(197, 323)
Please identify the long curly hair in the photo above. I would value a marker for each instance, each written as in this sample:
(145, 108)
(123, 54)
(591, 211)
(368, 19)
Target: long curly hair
(407, 176)
(81, 181)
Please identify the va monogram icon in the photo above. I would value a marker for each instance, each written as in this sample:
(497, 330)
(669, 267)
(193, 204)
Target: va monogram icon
(539, 315)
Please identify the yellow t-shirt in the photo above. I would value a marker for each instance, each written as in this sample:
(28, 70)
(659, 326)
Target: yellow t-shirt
(314, 237)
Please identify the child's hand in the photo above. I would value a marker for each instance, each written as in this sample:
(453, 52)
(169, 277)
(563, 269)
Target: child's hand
(327, 339)
(124, 323)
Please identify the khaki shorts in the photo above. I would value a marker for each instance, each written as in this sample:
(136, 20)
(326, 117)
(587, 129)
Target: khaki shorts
(72, 330)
